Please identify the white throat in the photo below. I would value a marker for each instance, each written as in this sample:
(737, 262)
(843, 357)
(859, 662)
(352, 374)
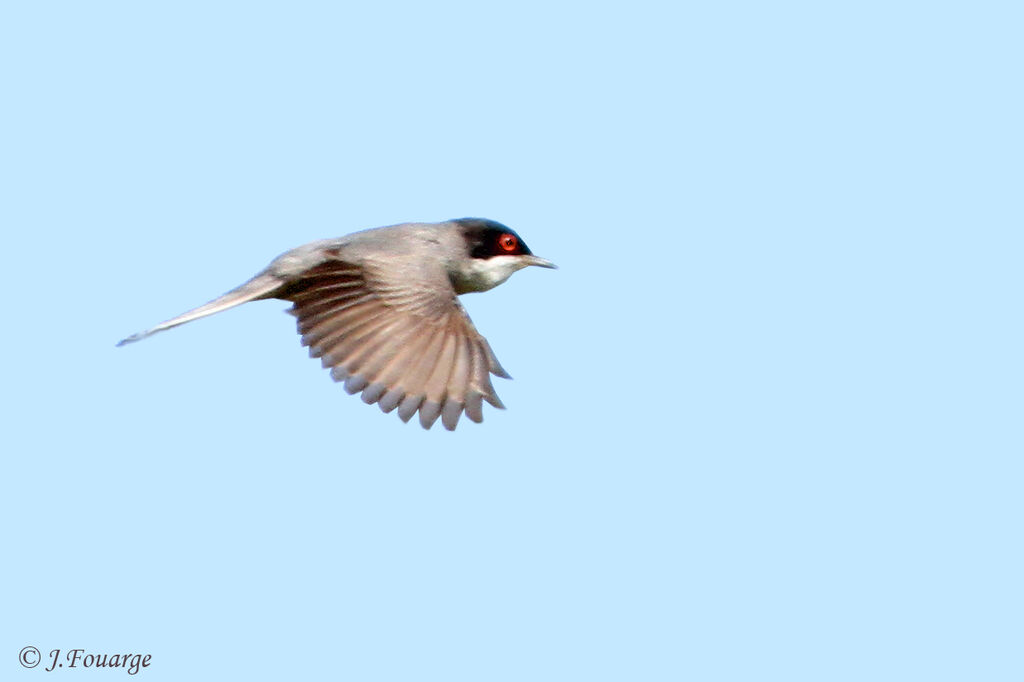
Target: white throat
(481, 274)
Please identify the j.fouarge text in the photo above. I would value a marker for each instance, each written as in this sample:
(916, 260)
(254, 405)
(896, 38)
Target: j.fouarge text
(78, 658)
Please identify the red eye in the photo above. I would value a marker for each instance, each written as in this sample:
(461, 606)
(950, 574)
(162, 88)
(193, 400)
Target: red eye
(508, 242)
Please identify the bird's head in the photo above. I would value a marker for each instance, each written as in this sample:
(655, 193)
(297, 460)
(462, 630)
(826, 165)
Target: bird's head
(493, 253)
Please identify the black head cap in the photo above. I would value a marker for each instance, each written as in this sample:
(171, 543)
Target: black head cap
(489, 238)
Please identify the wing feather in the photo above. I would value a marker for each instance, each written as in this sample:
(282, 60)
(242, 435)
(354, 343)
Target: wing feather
(458, 383)
(397, 333)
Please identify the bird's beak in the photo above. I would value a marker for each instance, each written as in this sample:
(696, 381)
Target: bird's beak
(539, 262)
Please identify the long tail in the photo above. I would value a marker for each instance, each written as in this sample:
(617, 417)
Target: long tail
(260, 286)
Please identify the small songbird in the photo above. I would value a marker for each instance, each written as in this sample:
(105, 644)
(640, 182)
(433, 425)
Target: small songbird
(380, 308)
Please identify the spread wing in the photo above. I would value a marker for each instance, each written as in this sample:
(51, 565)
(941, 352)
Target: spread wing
(398, 334)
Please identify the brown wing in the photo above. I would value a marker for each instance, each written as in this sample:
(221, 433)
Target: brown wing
(399, 335)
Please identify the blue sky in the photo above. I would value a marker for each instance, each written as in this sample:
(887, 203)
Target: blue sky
(766, 418)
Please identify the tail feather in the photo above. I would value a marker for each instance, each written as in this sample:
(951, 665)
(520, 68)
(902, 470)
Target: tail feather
(260, 286)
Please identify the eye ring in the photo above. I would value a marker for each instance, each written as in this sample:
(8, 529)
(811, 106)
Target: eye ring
(508, 242)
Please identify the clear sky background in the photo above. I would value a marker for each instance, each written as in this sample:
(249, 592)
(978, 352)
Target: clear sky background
(766, 418)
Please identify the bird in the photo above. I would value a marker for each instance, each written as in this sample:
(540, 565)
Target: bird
(380, 308)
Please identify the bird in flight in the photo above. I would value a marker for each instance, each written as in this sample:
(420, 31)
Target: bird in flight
(380, 308)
